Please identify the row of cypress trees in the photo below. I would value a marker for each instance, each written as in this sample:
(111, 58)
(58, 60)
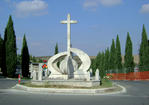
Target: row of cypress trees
(8, 52)
(111, 60)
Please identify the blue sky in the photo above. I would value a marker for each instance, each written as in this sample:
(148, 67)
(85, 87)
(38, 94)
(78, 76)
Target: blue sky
(99, 21)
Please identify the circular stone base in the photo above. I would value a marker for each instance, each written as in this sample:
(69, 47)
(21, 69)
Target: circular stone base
(98, 91)
(71, 83)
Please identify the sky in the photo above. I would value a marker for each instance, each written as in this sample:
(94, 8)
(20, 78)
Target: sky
(99, 21)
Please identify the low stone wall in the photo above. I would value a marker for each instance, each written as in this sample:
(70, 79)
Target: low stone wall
(99, 91)
(72, 83)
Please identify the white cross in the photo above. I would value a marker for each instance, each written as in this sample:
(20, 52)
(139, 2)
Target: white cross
(68, 22)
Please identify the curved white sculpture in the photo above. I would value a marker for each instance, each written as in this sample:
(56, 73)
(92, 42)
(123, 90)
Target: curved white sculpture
(85, 59)
(68, 66)
(65, 62)
(56, 71)
(52, 65)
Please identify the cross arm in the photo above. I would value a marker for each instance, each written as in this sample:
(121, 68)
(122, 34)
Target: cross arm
(64, 22)
(73, 21)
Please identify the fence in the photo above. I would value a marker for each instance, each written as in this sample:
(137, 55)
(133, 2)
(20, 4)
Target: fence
(144, 75)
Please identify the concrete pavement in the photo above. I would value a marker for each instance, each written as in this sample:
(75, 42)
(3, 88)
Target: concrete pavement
(137, 94)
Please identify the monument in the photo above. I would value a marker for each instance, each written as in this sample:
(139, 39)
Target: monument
(64, 70)
(68, 67)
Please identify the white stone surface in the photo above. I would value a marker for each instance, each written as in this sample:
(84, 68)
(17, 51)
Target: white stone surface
(68, 65)
(80, 75)
(55, 71)
(40, 72)
(68, 22)
(34, 73)
(31, 70)
(88, 76)
(64, 91)
(46, 73)
(97, 77)
(85, 59)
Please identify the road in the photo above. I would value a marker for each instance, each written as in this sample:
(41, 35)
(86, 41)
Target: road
(137, 94)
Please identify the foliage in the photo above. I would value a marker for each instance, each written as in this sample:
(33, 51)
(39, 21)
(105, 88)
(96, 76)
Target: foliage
(33, 59)
(112, 63)
(56, 49)
(107, 59)
(118, 59)
(99, 63)
(1, 51)
(144, 51)
(25, 58)
(93, 66)
(128, 58)
(10, 49)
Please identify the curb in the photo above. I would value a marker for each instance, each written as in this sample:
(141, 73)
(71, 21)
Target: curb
(103, 91)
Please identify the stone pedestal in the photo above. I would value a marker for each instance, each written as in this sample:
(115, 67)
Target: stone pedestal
(34, 75)
(40, 72)
(97, 77)
(81, 75)
(46, 73)
(88, 76)
(31, 70)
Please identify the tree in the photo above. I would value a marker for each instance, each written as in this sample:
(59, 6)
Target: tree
(128, 58)
(3, 66)
(10, 49)
(107, 56)
(144, 51)
(112, 63)
(56, 49)
(34, 59)
(25, 58)
(98, 61)
(1, 51)
(118, 55)
(93, 66)
(102, 66)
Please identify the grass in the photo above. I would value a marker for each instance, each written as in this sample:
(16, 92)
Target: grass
(105, 84)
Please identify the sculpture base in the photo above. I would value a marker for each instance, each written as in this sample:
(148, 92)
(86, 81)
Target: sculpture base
(59, 77)
(70, 83)
(77, 75)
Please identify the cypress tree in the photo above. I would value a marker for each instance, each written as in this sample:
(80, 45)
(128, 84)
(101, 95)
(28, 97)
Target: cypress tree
(4, 69)
(10, 49)
(102, 65)
(1, 52)
(128, 58)
(118, 55)
(107, 56)
(56, 49)
(25, 58)
(112, 64)
(144, 51)
(98, 60)
(93, 66)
